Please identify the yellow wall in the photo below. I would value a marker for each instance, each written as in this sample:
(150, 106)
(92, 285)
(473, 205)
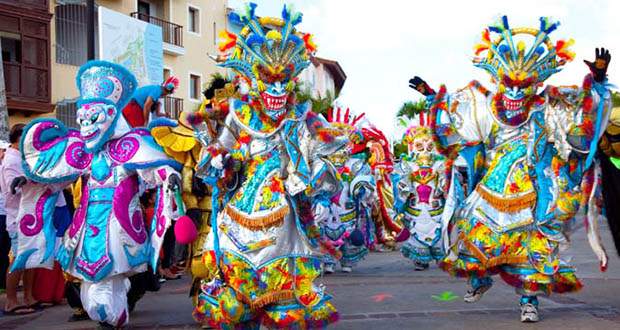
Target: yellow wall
(196, 47)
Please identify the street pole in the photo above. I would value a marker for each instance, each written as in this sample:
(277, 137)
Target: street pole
(90, 28)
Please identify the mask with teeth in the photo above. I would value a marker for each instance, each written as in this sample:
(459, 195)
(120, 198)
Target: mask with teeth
(519, 60)
(514, 98)
(97, 122)
(104, 88)
(272, 89)
(269, 53)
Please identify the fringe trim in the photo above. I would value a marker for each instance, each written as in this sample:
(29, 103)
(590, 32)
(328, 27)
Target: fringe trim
(511, 205)
(267, 299)
(491, 262)
(258, 223)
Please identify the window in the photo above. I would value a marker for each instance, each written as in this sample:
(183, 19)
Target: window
(194, 87)
(25, 56)
(71, 39)
(144, 8)
(193, 19)
(66, 112)
(167, 74)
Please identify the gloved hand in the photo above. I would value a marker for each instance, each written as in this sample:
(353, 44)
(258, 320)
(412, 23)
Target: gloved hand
(600, 64)
(175, 182)
(421, 86)
(17, 183)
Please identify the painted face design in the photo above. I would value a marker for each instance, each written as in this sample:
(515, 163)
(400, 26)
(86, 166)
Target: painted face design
(274, 89)
(95, 120)
(513, 99)
(422, 150)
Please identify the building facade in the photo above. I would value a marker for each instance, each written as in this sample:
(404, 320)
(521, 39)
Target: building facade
(46, 42)
(323, 78)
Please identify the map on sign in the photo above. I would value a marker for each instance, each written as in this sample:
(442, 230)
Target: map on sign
(135, 44)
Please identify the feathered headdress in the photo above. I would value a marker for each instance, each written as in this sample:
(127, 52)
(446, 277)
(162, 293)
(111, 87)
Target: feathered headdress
(267, 48)
(415, 130)
(518, 61)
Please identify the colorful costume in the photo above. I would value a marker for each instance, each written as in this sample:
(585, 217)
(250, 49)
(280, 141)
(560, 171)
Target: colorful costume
(107, 240)
(610, 170)
(425, 177)
(346, 220)
(387, 231)
(180, 142)
(261, 253)
(533, 156)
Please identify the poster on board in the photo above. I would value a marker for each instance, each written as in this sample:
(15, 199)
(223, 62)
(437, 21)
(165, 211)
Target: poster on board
(135, 44)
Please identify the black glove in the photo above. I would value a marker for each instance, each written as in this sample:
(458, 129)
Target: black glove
(175, 182)
(421, 86)
(17, 183)
(600, 64)
(199, 188)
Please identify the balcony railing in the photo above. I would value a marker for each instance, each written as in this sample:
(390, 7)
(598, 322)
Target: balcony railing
(172, 33)
(173, 106)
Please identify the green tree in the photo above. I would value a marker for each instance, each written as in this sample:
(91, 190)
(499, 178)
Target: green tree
(615, 99)
(319, 104)
(399, 149)
(410, 109)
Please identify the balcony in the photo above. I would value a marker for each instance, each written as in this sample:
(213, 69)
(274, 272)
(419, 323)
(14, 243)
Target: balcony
(173, 106)
(172, 33)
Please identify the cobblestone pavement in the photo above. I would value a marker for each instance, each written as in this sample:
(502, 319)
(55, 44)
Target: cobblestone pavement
(384, 292)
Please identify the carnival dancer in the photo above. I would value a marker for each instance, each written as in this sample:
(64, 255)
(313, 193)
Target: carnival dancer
(347, 226)
(535, 152)
(387, 230)
(261, 252)
(107, 241)
(182, 139)
(425, 177)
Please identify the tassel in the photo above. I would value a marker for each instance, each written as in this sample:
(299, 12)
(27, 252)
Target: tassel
(258, 223)
(510, 205)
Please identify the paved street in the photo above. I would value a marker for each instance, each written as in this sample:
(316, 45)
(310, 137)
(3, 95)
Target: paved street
(385, 293)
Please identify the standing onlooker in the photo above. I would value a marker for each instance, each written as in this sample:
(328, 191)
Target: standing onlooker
(5, 240)
(11, 169)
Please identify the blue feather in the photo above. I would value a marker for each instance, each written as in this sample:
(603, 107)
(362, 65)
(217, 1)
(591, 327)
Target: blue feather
(495, 29)
(505, 22)
(251, 9)
(297, 19)
(235, 18)
(254, 39)
(286, 15)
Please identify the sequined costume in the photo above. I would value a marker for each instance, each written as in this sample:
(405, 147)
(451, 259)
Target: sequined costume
(261, 253)
(425, 178)
(179, 139)
(530, 157)
(107, 240)
(347, 226)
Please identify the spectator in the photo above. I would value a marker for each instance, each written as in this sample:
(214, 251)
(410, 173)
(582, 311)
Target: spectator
(11, 169)
(5, 240)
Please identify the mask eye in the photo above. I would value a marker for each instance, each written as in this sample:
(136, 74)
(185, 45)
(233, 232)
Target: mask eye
(101, 117)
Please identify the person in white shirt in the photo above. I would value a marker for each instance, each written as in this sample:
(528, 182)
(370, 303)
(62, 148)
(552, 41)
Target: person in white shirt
(11, 168)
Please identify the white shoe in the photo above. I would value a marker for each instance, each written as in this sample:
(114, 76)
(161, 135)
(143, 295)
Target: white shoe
(420, 266)
(328, 269)
(473, 296)
(529, 313)
(346, 269)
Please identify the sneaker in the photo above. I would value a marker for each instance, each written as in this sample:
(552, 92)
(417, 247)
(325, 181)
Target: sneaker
(346, 269)
(420, 266)
(328, 269)
(529, 313)
(473, 296)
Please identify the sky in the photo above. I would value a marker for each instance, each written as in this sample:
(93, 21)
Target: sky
(380, 44)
